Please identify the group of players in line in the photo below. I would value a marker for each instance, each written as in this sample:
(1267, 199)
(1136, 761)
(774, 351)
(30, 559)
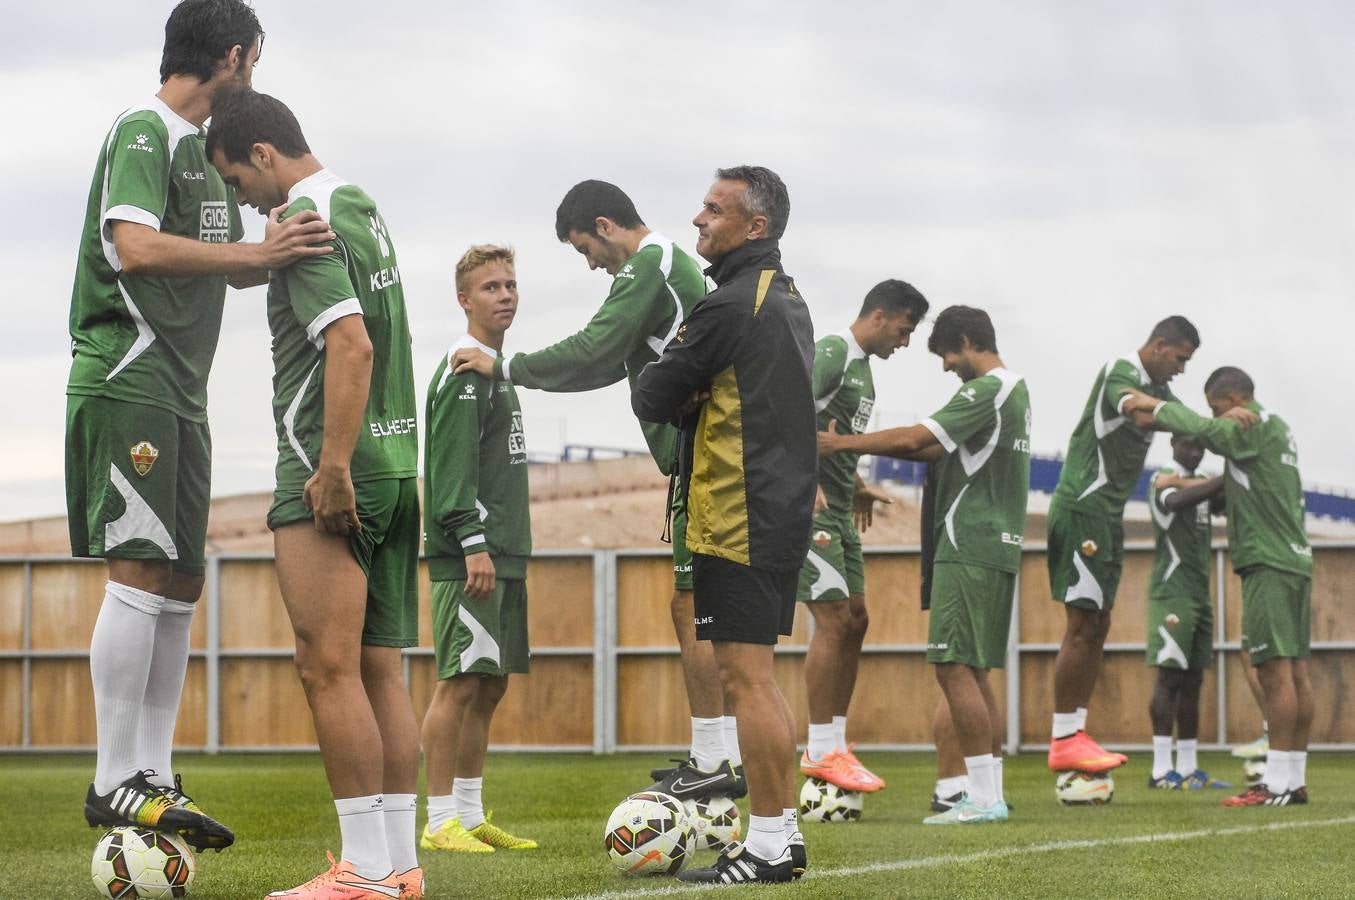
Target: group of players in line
(161, 241)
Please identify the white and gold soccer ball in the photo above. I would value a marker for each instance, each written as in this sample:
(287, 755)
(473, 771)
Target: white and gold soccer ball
(142, 864)
(649, 834)
(1254, 770)
(823, 801)
(715, 822)
(1084, 788)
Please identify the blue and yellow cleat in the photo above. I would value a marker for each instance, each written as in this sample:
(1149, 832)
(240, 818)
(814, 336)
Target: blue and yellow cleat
(1172, 781)
(967, 812)
(1199, 780)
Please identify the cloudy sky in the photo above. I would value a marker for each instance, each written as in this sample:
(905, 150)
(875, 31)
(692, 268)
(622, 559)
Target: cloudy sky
(1079, 169)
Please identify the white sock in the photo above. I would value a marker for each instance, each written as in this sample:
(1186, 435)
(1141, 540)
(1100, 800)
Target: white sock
(363, 830)
(997, 777)
(820, 740)
(1298, 769)
(840, 734)
(949, 787)
(164, 688)
(708, 742)
(1187, 756)
(470, 808)
(119, 664)
(982, 779)
(399, 811)
(1065, 725)
(790, 820)
(441, 810)
(1277, 771)
(1162, 755)
(767, 836)
(731, 728)
(1081, 718)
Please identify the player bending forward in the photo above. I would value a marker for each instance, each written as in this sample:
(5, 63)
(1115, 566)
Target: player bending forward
(345, 514)
(478, 537)
(982, 439)
(833, 578)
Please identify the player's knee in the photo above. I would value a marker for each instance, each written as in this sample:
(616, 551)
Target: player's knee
(491, 691)
(860, 620)
(320, 667)
(833, 618)
(1088, 626)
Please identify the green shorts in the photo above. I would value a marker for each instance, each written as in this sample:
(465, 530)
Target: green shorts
(682, 557)
(138, 482)
(387, 550)
(1085, 557)
(1277, 614)
(834, 568)
(971, 615)
(483, 636)
(1180, 632)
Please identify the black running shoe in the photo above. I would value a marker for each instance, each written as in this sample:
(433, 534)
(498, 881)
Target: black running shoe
(941, 804)
(1299, 796)
(737, 865)
(138, 802)
(661, 773)
(799, 860)
(687, 782)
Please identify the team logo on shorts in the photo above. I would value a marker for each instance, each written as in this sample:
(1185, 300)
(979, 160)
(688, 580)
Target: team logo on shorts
(1089, 547)
(144, 456)
(1173, 620)
(822, 539)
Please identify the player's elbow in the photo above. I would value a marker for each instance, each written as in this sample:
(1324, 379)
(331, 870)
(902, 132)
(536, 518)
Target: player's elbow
(134, 256)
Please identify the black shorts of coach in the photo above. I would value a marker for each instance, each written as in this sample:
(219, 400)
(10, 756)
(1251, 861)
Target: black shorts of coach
(739, 603)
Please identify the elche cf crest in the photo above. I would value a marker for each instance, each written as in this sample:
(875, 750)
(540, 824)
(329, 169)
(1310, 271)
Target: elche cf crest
(144, 456)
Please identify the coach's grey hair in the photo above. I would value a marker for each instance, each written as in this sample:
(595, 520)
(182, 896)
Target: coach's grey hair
(766, 195)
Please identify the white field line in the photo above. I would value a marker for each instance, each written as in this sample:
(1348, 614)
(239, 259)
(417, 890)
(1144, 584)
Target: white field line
(927, 862)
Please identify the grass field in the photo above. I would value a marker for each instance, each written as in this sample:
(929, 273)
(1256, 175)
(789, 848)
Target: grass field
(1145, 844)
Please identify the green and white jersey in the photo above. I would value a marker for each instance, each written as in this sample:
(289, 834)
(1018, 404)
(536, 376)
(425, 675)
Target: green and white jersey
(475, 473)
(143, 338)
(650, 296)
(984, 478)
(1107, 451)
(1262, 485)
(361, 277)
(1181, 563)
(844, 392)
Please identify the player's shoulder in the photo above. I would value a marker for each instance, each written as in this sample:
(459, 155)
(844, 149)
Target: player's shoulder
(467, 385)
(328, 194)
(832, 345)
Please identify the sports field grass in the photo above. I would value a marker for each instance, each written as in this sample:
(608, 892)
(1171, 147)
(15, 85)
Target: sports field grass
(1146, 844)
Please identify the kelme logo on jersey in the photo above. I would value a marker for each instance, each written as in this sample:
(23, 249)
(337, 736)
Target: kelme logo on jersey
(144, 456)
(214, 223)
(141, 143)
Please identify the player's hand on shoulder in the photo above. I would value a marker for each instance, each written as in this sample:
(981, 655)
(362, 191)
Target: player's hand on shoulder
(330, 498)
(1137, 401)
(287, 240)
(479, 575)
(1244, 417)
(472, 359)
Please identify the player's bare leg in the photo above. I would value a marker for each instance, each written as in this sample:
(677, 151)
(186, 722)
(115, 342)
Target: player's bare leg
(1075, 673)
(951, 778)
(446, 735)
(766, 726)
(1290, 719)
(1257, 748)
(699, 672)
(973, 709)
(383, 679)
(830, 678)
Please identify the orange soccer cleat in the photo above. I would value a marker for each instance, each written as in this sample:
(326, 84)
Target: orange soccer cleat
(1079, 753)
(342, 883)
(851, 758)
(835, 768)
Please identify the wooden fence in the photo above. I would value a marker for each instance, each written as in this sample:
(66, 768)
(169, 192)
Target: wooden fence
(605, 671)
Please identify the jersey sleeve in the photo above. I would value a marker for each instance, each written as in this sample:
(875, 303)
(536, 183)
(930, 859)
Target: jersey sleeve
(452, 470)
(1121, 377)
(595, 356)
(237, 227)
(969, 412)
(830, 362)
(1222, 436)
(137, 174)
(705, 345)
(320, 291)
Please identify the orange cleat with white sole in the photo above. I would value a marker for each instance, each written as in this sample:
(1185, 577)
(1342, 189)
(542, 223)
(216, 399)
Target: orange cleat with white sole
(342, 883)
(835, 768)
(1079, 753)
(851, 758)
(411, 883)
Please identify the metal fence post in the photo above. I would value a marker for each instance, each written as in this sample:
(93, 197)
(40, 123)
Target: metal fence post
(1220, 635)
(26, 667)
(1014, 672)
(213, 655)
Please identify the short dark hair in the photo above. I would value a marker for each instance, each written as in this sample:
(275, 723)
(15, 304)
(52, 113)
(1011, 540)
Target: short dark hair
(766, 195)
(200, 33)
(587, 200)
(1229, 380)
(895, 297)
(955, 323)
(1176, 330)
(241, 119)
(1178, 439)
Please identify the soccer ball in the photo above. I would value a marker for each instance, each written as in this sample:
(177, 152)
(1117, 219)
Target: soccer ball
(715, 822)
(822, 801)
(139, 863)
(1084, 788)
(649, 834)
(1254, 770)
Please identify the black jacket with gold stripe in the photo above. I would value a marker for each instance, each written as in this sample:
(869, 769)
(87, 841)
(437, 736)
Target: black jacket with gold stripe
(749, 454)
